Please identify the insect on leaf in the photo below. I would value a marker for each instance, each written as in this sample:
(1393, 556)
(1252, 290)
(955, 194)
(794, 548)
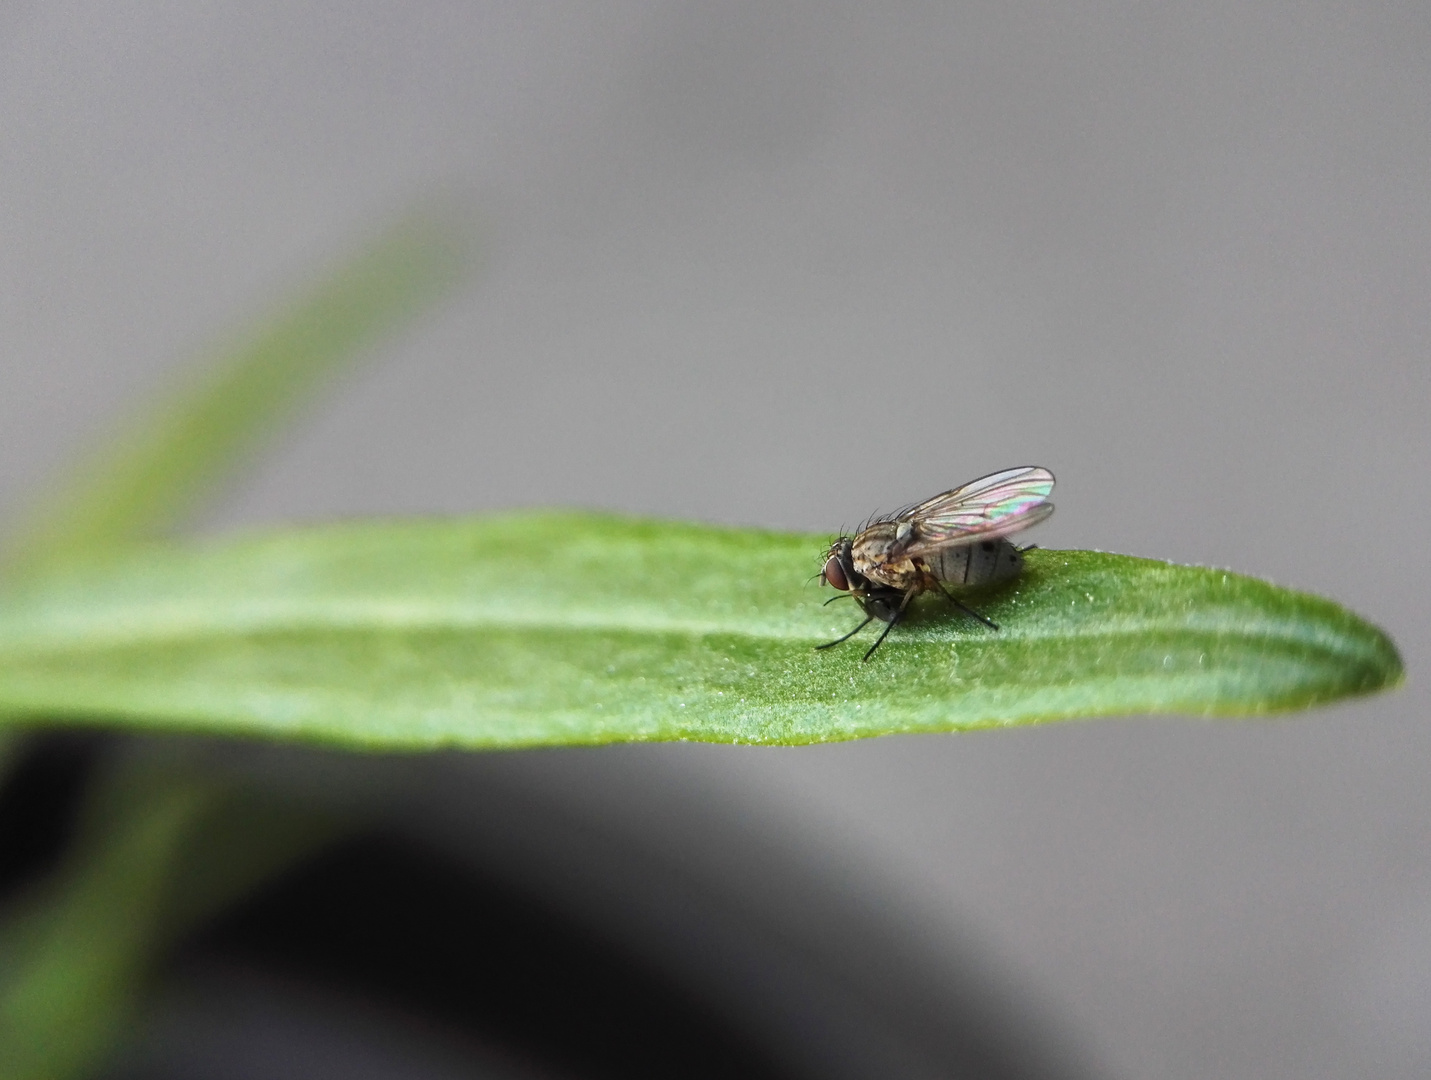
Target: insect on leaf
(569, 628)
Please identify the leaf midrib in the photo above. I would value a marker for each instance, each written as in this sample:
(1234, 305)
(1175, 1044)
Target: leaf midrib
(418, 618)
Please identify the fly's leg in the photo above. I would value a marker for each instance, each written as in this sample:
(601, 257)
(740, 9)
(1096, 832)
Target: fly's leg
(966, 609)
(897, 616)
(880, 640)
(868, 619)
(837, 596)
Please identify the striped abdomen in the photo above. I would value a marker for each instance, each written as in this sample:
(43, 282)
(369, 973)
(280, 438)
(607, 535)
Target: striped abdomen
(969, 565)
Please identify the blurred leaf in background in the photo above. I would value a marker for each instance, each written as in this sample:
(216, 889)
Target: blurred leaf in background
(158, 850)
(71, 955)
(173, 455)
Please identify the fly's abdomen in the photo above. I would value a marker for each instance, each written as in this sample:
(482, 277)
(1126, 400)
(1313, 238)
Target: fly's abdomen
(970, 565)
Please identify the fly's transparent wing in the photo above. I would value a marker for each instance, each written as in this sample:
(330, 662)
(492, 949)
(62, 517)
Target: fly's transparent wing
(989, 507)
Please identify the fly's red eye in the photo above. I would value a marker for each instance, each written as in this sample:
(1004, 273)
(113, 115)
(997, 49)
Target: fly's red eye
(835, 574)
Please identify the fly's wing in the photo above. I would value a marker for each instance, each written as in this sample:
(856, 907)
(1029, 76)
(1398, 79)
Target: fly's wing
(989, 507)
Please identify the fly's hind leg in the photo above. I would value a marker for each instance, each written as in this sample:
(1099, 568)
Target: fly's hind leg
(966, 609)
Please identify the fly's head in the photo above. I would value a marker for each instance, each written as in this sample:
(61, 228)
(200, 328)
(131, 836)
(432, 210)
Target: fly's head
(879, 601)
(839, 568)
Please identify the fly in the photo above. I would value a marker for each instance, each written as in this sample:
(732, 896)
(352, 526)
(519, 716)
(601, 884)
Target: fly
(956, 539)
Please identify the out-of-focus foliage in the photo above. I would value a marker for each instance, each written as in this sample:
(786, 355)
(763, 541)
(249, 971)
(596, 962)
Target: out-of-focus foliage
(169, 457)
(159, 850)
(71, 958)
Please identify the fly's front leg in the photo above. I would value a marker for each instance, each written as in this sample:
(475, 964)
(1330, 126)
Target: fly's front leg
(868, 619)
(897, 616)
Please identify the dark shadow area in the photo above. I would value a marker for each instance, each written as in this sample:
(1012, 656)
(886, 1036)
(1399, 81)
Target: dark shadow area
(386, 920)
(387, 955)
(40, 801)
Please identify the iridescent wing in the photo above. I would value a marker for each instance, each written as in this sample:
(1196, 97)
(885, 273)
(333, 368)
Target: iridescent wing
(989, 507)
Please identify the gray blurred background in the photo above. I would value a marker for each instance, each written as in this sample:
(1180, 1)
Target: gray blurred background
(784, 265)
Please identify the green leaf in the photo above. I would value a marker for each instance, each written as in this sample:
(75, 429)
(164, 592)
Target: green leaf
(167, 458)
(568, 628)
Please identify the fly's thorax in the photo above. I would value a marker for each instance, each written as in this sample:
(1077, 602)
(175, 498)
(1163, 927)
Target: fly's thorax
(981, 563)
(870, 555)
